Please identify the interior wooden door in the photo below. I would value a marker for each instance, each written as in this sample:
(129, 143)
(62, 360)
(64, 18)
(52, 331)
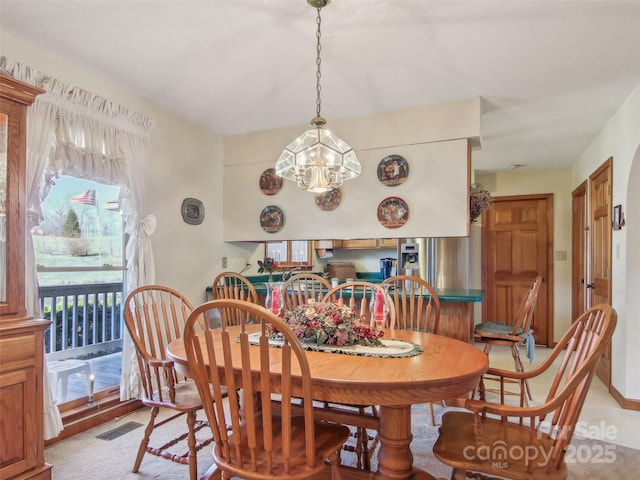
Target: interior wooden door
(600, 187)
(579, 241)
(517, 247)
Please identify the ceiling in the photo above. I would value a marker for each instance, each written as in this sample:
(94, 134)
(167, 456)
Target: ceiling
(551, 73)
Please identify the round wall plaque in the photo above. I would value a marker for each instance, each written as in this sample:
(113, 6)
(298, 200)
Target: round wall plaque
(192, 211)
(271, 219)
(393, 212)
(393, 170)
(328, 200)
(270, 183)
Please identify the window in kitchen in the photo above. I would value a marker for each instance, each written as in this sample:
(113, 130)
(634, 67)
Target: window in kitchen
(290, 253)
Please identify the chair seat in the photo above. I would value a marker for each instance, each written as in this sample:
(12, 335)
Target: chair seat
(498, 328)
(187, 397)
(325, 437)
(506, 444)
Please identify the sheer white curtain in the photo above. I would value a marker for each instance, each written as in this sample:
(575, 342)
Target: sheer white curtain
(139, 225)
(72, 131)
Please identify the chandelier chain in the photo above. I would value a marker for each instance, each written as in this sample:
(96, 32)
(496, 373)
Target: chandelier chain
(318, 160)
(318, 62)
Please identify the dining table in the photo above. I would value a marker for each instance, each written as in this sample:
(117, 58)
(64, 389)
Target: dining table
(441, 368)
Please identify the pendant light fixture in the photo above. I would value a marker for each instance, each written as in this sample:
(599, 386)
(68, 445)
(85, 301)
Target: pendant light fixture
(318, 161)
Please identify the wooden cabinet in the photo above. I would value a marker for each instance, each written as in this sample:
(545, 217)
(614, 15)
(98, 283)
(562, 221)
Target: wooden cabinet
(387, 243)
(21, 337)
(370, 243)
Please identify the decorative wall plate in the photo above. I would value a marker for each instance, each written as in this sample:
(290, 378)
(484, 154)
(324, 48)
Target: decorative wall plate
(393, 170)
(271, 219)
(328, 200)
(270, 183)
(192, 211)
(393, 212)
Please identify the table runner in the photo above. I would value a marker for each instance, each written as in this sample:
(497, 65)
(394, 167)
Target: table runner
(390, 349)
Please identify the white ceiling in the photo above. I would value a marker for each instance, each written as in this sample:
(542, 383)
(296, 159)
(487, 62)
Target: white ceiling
(551, 72)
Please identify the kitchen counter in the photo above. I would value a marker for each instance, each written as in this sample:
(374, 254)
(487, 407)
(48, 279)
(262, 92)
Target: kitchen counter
(456, 305)
(445, 295)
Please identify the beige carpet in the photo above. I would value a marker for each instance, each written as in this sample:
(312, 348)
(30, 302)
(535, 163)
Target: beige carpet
(84, 456)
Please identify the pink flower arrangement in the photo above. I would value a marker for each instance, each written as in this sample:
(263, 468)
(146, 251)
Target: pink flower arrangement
(267, 265)
(330, 324)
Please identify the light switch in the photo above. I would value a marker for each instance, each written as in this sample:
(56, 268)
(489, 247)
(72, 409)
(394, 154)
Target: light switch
(561, 256)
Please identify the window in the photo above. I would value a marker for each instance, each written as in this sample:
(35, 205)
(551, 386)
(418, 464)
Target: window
(81, 238)
(81, 264)
(290, 253)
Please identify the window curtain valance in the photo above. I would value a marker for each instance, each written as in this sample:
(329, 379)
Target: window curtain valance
(91, 133)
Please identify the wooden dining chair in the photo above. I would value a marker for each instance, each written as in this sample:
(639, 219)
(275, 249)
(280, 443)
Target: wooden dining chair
(251, 440)
(300, 288)
(416, 303)
(529, 442)
(230, 285)
(512, 335)
(417, 307)
(357, 295)
(155, 315)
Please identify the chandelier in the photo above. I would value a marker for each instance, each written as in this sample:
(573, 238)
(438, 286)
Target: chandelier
(318, 160)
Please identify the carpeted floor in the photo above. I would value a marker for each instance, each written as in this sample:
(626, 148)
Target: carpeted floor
(86, 456)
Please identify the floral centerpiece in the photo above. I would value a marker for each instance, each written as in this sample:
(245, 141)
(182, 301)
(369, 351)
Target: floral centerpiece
(330, 324)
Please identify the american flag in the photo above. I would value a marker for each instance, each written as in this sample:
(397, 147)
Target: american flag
(85, 198)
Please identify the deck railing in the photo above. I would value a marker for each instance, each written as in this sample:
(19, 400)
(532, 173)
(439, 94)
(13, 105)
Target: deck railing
(87, 319)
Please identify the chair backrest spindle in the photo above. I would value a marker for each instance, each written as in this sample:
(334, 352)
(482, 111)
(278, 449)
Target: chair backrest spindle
(416, 303)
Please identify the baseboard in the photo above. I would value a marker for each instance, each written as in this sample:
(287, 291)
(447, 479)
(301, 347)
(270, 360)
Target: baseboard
(626, 403)
(80, 419)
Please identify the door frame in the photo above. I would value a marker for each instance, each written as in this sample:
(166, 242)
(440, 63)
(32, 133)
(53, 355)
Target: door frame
(579, 249)
(548, 280)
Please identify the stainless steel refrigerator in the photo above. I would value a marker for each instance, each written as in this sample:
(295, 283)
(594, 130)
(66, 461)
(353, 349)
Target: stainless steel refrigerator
(444, 262)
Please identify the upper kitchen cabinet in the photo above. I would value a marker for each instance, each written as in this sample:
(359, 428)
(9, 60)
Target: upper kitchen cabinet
(372, 243)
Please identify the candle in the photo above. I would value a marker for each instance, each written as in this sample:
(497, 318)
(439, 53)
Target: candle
(378, 306)
(378, 310)
(275, 301)
(91, 384)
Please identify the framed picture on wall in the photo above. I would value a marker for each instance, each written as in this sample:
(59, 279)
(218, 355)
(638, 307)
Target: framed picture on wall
(618, 217)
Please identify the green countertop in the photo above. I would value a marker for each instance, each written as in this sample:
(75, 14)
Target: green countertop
(445, 295)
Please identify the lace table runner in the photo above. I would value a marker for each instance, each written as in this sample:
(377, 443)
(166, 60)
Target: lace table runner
(390, 348)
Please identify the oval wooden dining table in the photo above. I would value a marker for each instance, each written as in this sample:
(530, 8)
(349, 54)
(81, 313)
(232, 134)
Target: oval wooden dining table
(446, 368)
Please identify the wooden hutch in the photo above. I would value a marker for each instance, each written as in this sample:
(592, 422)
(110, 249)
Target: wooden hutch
(21, 337)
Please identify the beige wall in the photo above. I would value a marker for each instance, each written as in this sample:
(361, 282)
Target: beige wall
(186, 161)
(431, 138)
(436, 193)
(556, 181)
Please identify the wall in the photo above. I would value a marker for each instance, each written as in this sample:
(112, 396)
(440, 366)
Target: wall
(186, 161)
(620, 139)
(432, 139)
(436, 193)
(558, 182)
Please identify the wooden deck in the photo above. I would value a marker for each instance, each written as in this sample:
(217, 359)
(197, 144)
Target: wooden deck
(106, 370)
